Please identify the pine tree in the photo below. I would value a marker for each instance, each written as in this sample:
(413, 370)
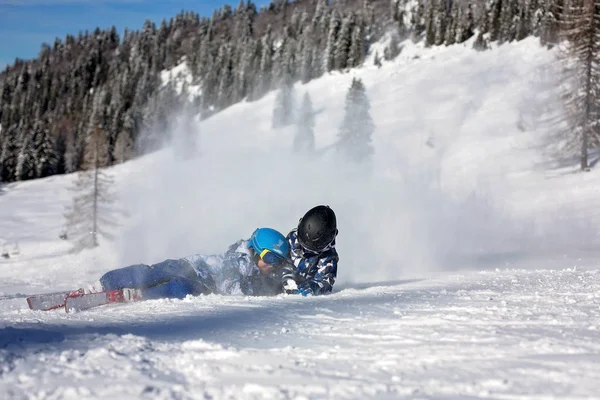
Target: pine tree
(537, 9)
(185, 132)
(284, 62)
(8, 154)
(87, 218)
(509, 21)
(153, 121)
(243, 22)
(523, 23)
(244, 73)
(304, 141)
(319, 16)
(306, 55)
(45, 149)
(73, 153)
(317, 63)
(63, 81)
(550, 24)
(581, 57)
(265, 73)
(482, 41)
(279, 63)
(26, 163)
(377, 60)
(465, 27)
(320, 27)
(225, 98)
(419, 20)
(392, 50)
(440, 22)
(357, 126)
(430, 23)
(124, 145)
(451, 24)
(332, 39)
(357, 48)
(495, 20)
(283, 112)
(344, 41)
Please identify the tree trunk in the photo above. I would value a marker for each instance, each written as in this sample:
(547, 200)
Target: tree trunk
(588, 85)
(95, 206)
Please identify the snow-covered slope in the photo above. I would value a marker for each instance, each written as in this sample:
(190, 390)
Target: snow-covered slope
(474, 233)
(493, 335)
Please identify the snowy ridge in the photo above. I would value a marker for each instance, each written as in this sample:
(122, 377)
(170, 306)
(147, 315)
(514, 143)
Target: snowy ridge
(468, 259)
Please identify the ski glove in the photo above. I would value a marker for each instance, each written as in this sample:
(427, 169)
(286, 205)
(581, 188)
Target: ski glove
(290, 287)
(303, 292)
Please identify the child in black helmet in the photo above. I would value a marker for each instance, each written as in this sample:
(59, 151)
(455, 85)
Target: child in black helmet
(313, 253)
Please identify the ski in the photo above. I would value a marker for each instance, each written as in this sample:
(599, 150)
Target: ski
(52, 301)
(91, 300)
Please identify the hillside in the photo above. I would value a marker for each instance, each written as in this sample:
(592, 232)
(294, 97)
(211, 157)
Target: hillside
(467, 258)
(454, 176)
(49, 106)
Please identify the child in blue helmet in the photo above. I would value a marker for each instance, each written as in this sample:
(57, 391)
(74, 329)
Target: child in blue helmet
(312, 247)
(254, 267)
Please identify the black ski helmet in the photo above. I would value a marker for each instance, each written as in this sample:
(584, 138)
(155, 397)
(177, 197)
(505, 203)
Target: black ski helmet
(317, 229)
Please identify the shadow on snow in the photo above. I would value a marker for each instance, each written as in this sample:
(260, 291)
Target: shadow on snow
(227, 325)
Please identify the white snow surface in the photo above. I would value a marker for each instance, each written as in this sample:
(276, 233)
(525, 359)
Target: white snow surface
(468, 257)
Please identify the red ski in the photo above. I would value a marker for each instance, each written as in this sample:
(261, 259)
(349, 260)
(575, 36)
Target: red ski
(52, 301)
(91, 300)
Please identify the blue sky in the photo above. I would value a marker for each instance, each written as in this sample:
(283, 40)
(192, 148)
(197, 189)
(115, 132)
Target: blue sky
(26, 24)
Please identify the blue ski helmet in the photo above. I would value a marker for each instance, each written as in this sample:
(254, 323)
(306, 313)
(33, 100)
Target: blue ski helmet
(267, 240)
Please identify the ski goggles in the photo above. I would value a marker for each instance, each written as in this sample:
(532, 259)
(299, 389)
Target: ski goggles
(271, 258)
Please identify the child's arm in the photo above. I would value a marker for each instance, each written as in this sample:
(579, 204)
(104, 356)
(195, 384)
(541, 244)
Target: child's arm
(322, 281)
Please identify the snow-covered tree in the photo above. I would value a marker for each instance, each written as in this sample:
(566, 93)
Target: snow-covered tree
(265, 71)
(377, 60)
(73, 152)
(185, 132)
(283, 62)
(356, 130)
(88, 218)
(124, 145)
(45, 149)
(26, 163)
(509, 20)
(357, 48)
(332, 40)
(392, 50)
(452, 24)
(283, 112)
(306, 55)
(495, 24)
(441, 20)
(232, 55)
(225, 98)
(245, 71)
(430, 18)
(304, 140)
(344, 41)
(8, 154)
(581, 58)
(465, 25)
